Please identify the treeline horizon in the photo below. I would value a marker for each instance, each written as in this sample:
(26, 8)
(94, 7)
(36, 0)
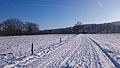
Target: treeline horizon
(13, 27)
(79, 28)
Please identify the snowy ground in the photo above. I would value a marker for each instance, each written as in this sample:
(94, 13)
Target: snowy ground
(74, 51)
(111, 45)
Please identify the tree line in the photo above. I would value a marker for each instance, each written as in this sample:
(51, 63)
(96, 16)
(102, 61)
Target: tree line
(79, 28)
(113, 27)
(17, 27)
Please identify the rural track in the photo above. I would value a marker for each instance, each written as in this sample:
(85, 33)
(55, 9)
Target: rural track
(87, 56)
(80, 51)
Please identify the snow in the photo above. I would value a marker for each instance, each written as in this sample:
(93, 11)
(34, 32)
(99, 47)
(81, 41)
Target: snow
(110, 45)
(74, 51)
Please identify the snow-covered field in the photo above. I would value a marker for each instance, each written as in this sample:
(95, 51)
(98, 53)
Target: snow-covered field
(74, 51)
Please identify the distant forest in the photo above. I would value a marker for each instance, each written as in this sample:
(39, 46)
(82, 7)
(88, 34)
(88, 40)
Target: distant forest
(79, 28)
(12, 27)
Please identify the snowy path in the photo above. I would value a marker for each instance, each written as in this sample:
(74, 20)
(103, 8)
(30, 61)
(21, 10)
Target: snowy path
(88, 55)
(80, 51)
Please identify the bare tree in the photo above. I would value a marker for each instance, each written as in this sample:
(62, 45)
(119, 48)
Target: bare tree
(31, 28)
(12, 27)
(77, 27)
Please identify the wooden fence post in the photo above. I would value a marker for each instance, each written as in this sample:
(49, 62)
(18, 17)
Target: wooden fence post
(32, 49)
(60, 40)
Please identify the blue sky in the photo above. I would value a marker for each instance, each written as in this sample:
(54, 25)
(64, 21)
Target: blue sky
(51, 14)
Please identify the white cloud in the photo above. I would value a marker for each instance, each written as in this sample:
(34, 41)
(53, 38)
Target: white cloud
(52, 5)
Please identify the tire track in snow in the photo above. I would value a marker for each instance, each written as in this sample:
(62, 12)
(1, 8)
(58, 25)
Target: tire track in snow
(87, 56)
(64, 52)
(84, 57)
(112, 60)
